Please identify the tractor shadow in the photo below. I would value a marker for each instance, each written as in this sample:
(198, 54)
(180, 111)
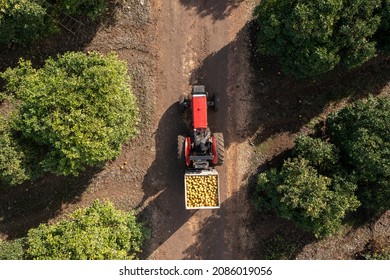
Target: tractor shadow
(163, 206)
(284, 104)
(32, 203)
(217, 9)
(213, 74)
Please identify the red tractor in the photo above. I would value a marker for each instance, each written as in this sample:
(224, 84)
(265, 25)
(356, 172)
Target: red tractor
(202, 149)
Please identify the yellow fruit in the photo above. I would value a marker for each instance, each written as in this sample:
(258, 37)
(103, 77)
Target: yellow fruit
(201, 190)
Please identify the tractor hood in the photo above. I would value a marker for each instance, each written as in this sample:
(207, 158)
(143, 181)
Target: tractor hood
(199, 110)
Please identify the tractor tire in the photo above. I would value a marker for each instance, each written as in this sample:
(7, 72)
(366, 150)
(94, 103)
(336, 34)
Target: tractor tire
(216, 103)
(182, 105)
(220, 148)
(180, 149)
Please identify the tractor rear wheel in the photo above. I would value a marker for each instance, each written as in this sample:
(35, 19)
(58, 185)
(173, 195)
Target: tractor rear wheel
(180, 149)
(220, 147)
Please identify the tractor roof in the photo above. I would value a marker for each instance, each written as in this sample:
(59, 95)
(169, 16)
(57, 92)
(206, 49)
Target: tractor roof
(199, 110)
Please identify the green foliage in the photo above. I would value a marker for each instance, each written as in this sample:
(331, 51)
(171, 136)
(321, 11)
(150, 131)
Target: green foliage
(385, 15)
(313, 37)
(14, 78)
(99, 232)
(78, 109)
(362, 133)
(323, 182)
(316, 203)
(380, 255)
(279, 248)
(22, 21)
(91, 8)
(358, 23)
(12, 250)
(3, 97)
(322, 155)
(12, 159)
(383, 34)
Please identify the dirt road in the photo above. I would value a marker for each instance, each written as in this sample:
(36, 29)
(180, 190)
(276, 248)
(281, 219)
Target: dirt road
(201, 42)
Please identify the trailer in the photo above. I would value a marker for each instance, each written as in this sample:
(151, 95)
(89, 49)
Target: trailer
(201, 189)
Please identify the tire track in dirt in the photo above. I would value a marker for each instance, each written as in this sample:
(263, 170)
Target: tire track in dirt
(203, 42)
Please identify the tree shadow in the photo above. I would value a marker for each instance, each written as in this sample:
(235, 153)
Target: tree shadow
(217, 9)
(285, 104)
(32, 203)
(163, 205)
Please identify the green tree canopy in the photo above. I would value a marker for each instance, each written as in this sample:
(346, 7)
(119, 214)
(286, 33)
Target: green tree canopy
(12, 158)
(362, 133)
(321, 155)
(383, 34)
(77, 109)
(91, 8)
(23, 21)
(12, 250)
(311, 37)
(99, 232)
(315, 202)
(326, 180)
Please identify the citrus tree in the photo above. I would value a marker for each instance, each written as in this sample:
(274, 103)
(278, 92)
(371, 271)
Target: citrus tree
(311, 37)
(23, 21)
(383, 34)
(12, 250)
(91, 8)
(362, 133)
(327, 180)
(12, 158)
(77, 110)
(315, 202)
(322, 155)
(99, 232)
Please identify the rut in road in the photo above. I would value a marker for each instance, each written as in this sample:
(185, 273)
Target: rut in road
(201, 42)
